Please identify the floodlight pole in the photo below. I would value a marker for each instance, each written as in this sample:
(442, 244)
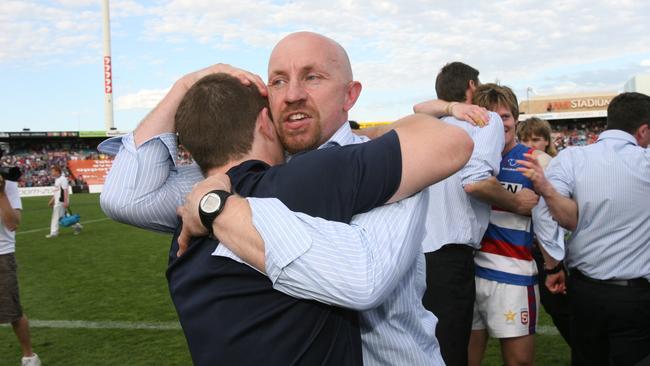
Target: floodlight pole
(108, 70)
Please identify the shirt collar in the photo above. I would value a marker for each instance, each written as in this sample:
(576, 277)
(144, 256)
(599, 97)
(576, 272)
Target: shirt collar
(343, 136)
(617, 135)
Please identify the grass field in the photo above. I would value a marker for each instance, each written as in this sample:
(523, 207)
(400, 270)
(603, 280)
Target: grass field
(100, 298)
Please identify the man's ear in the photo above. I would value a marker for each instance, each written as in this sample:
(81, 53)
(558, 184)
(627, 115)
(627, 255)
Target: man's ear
(351, 95)
(642, 135)
(265, 125)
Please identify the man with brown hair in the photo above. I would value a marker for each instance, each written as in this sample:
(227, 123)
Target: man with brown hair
(507, 295)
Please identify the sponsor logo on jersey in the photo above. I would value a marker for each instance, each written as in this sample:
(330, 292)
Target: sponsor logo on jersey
(512, 187)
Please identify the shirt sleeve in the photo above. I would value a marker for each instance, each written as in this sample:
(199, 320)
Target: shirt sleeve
(549, 233)
(144, 185)
(486, 157)
(13, 195)
(356, 266)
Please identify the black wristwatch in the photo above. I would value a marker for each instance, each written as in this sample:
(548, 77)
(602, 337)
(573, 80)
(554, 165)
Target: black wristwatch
(211, 206)
(555, 269)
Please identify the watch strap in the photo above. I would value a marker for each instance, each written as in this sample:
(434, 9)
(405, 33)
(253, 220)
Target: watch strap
(208, 218)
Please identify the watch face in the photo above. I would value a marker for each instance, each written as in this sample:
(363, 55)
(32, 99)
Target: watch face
(210, 202)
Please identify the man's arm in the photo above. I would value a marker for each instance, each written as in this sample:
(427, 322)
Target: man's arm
(431, 151)
(492, 192)
(563, 208)
(355, 266)
(470, 113)
(9, 215)
(145, 186)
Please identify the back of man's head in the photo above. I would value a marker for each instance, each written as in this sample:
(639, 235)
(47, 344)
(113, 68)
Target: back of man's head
(490, 96)
(628, 112)
(216, 120)
(453, 80)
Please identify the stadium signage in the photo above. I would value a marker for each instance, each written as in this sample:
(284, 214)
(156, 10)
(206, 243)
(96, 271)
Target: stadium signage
(108, 79)
(589, 103)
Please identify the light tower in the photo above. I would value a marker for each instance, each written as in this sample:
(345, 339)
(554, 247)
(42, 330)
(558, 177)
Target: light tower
(108, 70)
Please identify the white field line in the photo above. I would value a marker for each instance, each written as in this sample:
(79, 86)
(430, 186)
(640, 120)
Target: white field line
(84, 222)
(83, 324)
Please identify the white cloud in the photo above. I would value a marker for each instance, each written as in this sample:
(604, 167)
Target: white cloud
(40, 33)
(645, 63)
(143, 99)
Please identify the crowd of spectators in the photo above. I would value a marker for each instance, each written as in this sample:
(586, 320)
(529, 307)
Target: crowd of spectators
(576, 134)
(35, 161)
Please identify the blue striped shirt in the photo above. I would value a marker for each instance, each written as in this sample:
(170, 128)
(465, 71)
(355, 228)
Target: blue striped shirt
(375, 263)
(454, 216)
(610, 181)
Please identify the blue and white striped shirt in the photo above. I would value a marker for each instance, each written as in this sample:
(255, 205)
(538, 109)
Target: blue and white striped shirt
(610, 181)
(375, 263)
(454, 216)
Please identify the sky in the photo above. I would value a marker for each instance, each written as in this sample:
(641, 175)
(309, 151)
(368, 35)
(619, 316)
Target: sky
(51, 52)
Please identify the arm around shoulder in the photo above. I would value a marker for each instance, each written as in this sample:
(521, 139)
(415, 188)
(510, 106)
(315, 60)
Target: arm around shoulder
(431, 151)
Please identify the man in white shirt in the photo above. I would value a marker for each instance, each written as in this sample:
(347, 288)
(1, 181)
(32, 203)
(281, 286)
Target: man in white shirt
(10, 309)
(60, 201)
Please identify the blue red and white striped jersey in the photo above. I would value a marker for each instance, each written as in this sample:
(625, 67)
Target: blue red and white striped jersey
(506, 249)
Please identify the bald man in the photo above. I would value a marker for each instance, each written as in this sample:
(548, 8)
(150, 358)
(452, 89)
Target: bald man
(379, 268)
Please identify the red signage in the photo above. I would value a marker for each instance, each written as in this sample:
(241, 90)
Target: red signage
(91, 171)
(108, 79)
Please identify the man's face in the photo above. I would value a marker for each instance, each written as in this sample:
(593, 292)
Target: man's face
(536, 142)
(55, 173)
(508, 126)
(308, 91)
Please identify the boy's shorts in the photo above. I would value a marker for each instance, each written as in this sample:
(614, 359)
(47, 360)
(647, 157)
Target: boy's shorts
(505, 310)
(10, 309)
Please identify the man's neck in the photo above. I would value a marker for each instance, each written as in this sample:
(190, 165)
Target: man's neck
(223, 169)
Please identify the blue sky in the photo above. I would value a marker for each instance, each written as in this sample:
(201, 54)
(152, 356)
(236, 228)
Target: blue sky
(51, 72)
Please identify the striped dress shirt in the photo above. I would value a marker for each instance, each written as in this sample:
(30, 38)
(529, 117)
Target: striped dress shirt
(455, 217)
(375, 264)
(610, 181)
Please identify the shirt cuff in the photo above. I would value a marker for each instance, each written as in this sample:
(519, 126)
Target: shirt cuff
(285, 239)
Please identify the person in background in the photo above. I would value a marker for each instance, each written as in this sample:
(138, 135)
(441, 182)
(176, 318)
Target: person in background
(536, 133)
(59, 202)
(600, 193)
(10, 309)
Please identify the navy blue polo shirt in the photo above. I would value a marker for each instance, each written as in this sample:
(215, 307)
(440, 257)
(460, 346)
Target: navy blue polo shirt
(230, 313)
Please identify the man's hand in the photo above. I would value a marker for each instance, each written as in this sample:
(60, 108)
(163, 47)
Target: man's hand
(189, 212)
(475, 115)
(556, 283)
(533, 170)
(245, 77)
(525, 201)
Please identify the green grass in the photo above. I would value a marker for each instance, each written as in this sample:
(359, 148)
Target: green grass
(115, 273)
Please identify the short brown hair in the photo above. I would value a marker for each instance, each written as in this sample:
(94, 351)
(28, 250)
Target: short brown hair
(539, 127)
(491, 95)
(453, 80)
(216, 119)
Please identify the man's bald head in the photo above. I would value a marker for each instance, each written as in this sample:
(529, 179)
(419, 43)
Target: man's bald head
(311, 89)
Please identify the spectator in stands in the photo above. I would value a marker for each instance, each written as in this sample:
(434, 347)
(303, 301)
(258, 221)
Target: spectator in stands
(60, 202)
(10, 308)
